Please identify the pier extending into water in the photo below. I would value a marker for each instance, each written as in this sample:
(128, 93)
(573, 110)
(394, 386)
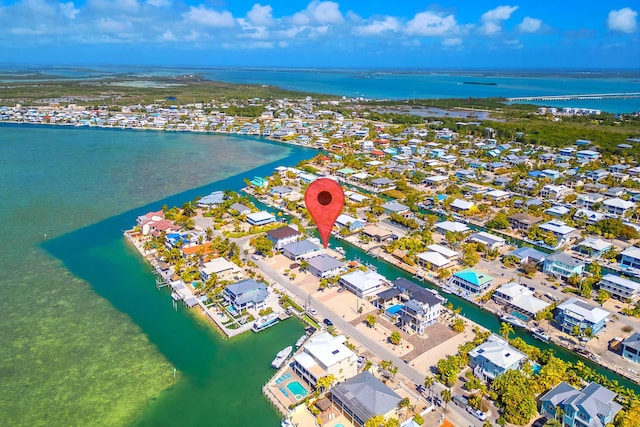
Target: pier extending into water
(589, 96)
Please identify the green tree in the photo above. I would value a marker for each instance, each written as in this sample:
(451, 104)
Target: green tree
(417, 418)
(553, 423)
(446, 398)
(370, 320)
(403, 404)
(262, 244)
(470, 255)
(429, 382)
(603, 296)
(506, 329)
(499, 222)
(458, 325)
(395, 338)
(377, 421)
(515, 396)
(325, 382)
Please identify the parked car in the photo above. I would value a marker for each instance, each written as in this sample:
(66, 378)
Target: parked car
(327, 322)
(461, 401)
(477, 413)
(313, 311)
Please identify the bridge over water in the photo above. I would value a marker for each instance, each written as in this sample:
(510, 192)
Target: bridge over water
(590, 96)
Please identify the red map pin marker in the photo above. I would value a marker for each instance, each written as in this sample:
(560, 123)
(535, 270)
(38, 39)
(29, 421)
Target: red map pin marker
(324, 199)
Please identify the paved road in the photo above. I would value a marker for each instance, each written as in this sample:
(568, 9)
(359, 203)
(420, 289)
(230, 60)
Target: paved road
(373, 346)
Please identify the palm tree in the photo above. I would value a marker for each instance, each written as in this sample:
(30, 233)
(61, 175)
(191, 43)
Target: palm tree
(403, 404)
(446, 398)
(553, 423)
(429, 381)
(506, 329)
(559, 413)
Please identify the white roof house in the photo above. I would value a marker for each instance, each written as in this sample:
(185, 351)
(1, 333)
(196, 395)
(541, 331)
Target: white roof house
(494, 357)
(620, 287)
(451, 226)
(558, 228)
(221, 267)
(520, 298)
(363, 283)
(434, 259)
(449, 253)
(325, 354)
(462, 205)
(617, 205)
(260, 218)
(490, 240)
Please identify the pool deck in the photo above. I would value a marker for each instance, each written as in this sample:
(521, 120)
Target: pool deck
(277, 391)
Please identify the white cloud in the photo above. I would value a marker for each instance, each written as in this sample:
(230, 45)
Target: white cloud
(500, 13)
(209, 18)
(623, 20)
(530, 25)
(112, 26)
(69, 10)
(260, 15)
(431, 24)
(321, 12)
(492, 19)
(378, 27)
(452, 42)
(168, 36)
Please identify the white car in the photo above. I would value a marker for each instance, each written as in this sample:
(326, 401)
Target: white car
(313, 311)
(477, 413)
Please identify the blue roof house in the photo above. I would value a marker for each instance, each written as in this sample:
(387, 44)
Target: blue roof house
(593, 406)
(470, 281)
(246, 294)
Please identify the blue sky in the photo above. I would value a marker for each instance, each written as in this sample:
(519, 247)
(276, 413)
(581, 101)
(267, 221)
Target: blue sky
(346, 33)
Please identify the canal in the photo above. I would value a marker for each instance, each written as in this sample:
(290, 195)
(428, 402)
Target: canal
(476, 313)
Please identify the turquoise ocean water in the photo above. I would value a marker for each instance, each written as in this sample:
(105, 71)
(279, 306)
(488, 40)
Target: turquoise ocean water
(86, 337)
(396, 84)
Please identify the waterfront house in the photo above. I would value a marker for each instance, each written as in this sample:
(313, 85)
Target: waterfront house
(523, 221)
(260, 218)
(213, 200)
(382, 184)
(377, 234)
(519, 298)
(494, 357)
(423, 308)
(488, 240)
(459, 205)
(560, 230)
(324, 266)
(363, 397)
(470, 281)
(593, 406)
(149, 216)
(395, 208)
(363, 283)
(631, 348)
(594, 247)
(301, 249)
(222, 268)
(283, 236)
(574, 312)
(563, 265)
(156, 228)
(620, 287)
(630, 257)
(324, 355)
(526, 254)
(240, 209)
(437, 257)
(350, 223)
(453, 227)
(246, 294)
(617, 206)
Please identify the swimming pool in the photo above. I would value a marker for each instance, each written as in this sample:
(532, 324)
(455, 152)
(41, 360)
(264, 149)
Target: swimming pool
(296, 388)
(394, 309)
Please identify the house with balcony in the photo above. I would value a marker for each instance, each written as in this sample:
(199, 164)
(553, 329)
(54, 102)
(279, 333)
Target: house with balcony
(350, 223)
(593, 247)
(222, 268)
(554, 192)
(593, 406)
(301, 249)
(620, 287)
(283, 236)
(630, 257)
(574, 312)
(617, 206)
(324, 355)
(324, 266)
(470, 281)
(523, 221)
(494, 357)
(260, 218)
(363, 283)
(587, 200)
(560, 230)
(246, 294)
(423, 308)
(519, 298)
(563, 265)
(631, 348)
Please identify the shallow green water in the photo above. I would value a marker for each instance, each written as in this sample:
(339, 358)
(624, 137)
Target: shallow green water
(86, 338)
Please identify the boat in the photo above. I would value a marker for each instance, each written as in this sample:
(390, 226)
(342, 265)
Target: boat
(301, 341)
(286, 422)
(265, 322)
(281, 357)
(513, 320)
(340, 250)
(540, 334)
